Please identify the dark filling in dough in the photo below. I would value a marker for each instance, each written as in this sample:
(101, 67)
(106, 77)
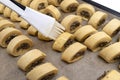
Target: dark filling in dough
(101, 22)
(10, 38)
(81, 53)
(69, 42)
(86, 37)
(118, 38)
(41, 6)
(49, 14)
(85, 14)
(74, 25)
(59, 1)
(102, 44)
(72, 8)
(48, 77)
(114, 33)
(117, 58)
(37, 62)
(23, 46)
(102, 76)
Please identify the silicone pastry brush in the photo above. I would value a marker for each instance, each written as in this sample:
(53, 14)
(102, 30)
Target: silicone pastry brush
(47, 25)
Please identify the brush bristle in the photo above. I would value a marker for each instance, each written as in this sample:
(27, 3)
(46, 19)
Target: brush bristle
(56, 31)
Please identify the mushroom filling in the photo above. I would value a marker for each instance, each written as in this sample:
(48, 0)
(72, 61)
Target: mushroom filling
(37, 62)
(41, 6)
(102, 76)
(23, 46)
(48, 77)
(85, 14)
(10, 38)
(116, 31)
(118, 38)
(69, 42)
(117, 57)
(86, 37)
(59, 1)
(49, 14)
(81, 53)
(102, 44)
(74, 25)
(101, 22)
(72, 8)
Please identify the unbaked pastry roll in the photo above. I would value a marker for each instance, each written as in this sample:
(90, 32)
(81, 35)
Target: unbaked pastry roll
(72, 23)
(5, 23)
(63, 41)
(7, 35)
(69, 6)
(85, 10)
(74, 52)
(19, 45)
(111, 53)
(32, 31)
(62, 78)
(113, 27)
(1, 18)
(7, 12)
(98, 40)
(42, 37)
(2, 7)
(26, 2)
(55, 2)
(42, 72)
(39, 4)
(15, 17)
(24, 24)
(110, 75)
(53, 12)
(84, 32)
(30, 59)
(97, 19)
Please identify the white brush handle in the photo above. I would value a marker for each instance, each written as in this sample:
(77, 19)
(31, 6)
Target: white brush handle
(12, 6)
(41, 22)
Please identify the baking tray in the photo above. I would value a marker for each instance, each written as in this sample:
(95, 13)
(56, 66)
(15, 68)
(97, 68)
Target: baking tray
(88, 68)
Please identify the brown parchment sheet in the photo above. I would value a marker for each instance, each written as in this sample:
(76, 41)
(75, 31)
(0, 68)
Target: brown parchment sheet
(88, 68)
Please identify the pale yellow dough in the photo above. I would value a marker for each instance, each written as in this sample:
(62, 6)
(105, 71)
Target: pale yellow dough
(74, 52)
(55, 2)
(72, 23)
(2, 7)
(42, 71)
(53, 12)
(111, 75)
(7, 35)
(111, 53)
(24, 24)
(62, 78)
(112, 27)
(15, 17)
(62, 40)
(19, 45)
(85, 11)
(32, 31)
(29, 58)
(69, 6)
(84, 32)
(97, 19)
(39, 4)
(97, 41)
(41, 37)
(26, 2)
(7, 12)
(5, 23)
